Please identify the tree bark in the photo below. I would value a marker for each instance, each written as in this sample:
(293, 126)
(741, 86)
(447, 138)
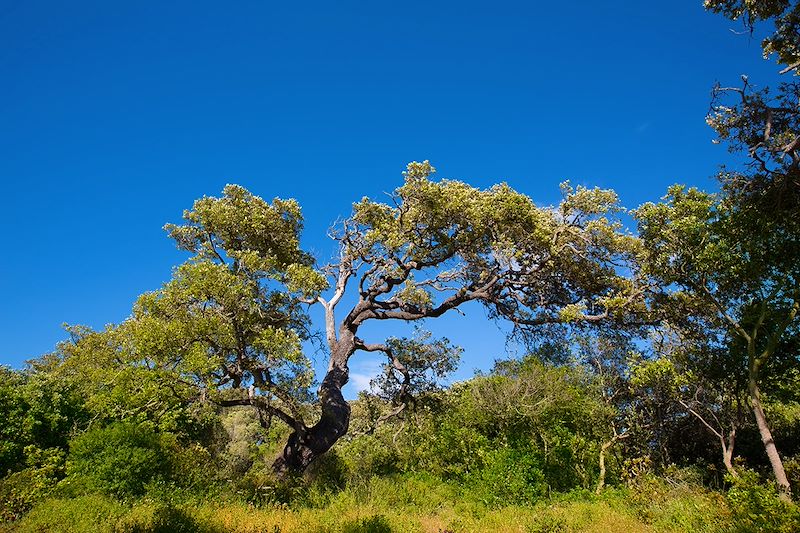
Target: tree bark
(601, 479)
(303, 447)
(727, 453)
(769, 444)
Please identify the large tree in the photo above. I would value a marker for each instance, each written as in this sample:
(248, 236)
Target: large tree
(755, 222)
(230, 324)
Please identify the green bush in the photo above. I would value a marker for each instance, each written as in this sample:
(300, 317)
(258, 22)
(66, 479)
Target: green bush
(21, 490)
(373, 524)
(94, 513)
(155, 517)
(448, 449)
(509, 476)
(368, 455)
(101, 514)
(119, 460)
(756, 508)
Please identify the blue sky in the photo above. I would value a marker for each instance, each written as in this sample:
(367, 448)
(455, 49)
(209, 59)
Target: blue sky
(116, 116)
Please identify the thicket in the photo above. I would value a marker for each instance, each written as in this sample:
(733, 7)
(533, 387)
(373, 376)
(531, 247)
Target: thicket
(515, 449)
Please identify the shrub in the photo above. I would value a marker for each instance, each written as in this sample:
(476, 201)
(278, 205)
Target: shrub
(101, 514)
(367, 455)
(94, 513)
(373, 524)
(756, 508)
(21, 490)
(508, 476)
(120, 459)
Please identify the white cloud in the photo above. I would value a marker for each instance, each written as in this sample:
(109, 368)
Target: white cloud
(362, 372)
(360, 381)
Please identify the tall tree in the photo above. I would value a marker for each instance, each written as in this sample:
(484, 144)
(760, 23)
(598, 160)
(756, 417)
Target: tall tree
(227, 328)
(439, 245)
(739, 271)
(230, 323)
(763, 196)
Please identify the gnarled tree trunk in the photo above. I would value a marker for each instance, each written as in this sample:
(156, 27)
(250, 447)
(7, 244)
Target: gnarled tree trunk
(727, 452)
(306, 445)
(601, 478)
(303, 447)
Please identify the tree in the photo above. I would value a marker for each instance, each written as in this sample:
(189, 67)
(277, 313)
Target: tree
(711, 397)
(606, 357)
(736, 253)
(39, 412)
(738, 270)
(230, 323)
(416, 368)
(560, 411)
(227, 328)
(441, 245)
(762, 124)
(785, 16)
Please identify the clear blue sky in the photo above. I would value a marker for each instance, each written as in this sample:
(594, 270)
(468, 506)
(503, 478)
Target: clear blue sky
(115, 116)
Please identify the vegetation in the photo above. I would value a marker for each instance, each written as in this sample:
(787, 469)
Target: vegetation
(660, 390)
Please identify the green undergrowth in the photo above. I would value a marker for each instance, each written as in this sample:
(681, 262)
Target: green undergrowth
(403, 503)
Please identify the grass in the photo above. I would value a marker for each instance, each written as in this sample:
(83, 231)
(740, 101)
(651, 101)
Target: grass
(407, 504)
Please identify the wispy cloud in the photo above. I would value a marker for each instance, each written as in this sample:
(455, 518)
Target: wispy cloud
(643, 127)
(360, 381)
(362, 372)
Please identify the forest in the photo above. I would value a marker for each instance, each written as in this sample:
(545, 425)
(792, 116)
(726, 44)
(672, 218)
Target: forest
(658, 391)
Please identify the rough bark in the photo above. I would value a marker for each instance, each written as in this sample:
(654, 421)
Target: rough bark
(303, 447)
(769, 442)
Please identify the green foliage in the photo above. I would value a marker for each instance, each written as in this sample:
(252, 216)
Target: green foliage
(372, 524)
(417, 367)
(479, 235)
(509, 476)
(121, 460)
(227, 328)
(262, 237)
(763, 123)
(512, 436)
(22, 489)
(756, 507)
(101, 514)
(13, 411)
(39, 410)
(675, 500)
(731, 290)
(368, 455)
(409, 503)
(784, 16)
(75, 515)
(117, 384)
